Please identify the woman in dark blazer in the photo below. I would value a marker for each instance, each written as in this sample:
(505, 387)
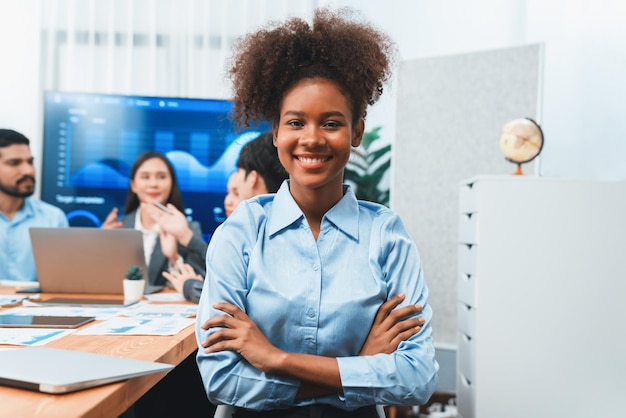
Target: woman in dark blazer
(169, 238)
(259, 171)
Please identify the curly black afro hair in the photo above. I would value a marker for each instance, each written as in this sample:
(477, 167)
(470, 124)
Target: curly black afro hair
(337, 46)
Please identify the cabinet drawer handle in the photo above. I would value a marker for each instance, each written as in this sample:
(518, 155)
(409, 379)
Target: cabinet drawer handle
(466, 382)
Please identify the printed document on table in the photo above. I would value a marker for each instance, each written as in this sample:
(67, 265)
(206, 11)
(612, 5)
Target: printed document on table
(160, 311)
(165, 297)
(99, 313)
(138, 326)
(31, 336)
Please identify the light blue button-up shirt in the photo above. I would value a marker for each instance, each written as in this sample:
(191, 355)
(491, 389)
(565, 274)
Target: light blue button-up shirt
(16, 254)
(316, 297)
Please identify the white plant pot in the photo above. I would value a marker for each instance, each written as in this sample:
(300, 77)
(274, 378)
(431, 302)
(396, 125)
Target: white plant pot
(133, 289)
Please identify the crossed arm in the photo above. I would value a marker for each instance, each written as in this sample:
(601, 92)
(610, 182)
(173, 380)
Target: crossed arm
(319, 375)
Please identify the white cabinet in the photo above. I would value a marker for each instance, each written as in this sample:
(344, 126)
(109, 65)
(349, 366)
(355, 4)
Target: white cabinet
(541, 298)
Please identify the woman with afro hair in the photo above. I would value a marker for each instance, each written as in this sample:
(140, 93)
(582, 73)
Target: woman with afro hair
(314, 303)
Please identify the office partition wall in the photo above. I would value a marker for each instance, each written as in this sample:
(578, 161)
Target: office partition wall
(450, 112)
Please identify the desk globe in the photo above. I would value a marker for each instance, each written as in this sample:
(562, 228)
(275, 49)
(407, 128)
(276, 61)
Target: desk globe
(521, 141)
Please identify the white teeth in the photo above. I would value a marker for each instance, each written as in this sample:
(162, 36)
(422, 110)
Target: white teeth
(312, 160)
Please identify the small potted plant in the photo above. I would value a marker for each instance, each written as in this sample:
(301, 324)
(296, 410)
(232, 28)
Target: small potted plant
(134, 284)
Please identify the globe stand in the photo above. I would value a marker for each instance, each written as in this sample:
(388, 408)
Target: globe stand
(518, 171)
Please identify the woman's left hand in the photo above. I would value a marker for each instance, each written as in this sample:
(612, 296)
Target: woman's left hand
(174, 223)
(239, 333)
(392, 326)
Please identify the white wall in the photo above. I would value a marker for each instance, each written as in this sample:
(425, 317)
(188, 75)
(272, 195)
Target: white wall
(584, 86)
(20, 96)
(585, 68)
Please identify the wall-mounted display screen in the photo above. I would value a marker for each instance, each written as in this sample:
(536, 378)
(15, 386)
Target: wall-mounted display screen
(90, 142)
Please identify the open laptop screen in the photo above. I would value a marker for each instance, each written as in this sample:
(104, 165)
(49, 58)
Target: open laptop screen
(84, 259)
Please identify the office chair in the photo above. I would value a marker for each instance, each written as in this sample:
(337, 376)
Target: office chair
(226, 411)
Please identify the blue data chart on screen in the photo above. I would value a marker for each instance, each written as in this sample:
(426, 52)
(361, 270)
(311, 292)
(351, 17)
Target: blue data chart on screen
(91, 141)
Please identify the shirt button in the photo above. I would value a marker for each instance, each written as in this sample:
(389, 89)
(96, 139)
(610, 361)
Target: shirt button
(315, 267)
(310, 313)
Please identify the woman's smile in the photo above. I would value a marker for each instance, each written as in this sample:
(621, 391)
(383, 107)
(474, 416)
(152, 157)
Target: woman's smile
(314, 137)
(312, 162)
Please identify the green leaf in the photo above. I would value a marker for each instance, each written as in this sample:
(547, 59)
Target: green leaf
(370, 137)
(379, 153)
(134, 273)
(366, 169)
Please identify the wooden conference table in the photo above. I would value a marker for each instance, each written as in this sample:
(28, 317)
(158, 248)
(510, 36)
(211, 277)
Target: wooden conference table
(105, 401)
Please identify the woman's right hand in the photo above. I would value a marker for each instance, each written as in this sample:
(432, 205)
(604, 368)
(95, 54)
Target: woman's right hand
(111, 221)
(390, 329)
(237, 332)
(178, 278)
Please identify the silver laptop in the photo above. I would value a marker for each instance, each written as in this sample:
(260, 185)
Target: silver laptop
(54, 370)
(85, 260)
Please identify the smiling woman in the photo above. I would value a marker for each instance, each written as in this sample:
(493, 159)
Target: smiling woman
(340, 277)
(314, 136)
(169, 238)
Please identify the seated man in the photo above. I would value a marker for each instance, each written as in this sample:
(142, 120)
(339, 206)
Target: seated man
(259, 168)
(258, 171)
(18, 210)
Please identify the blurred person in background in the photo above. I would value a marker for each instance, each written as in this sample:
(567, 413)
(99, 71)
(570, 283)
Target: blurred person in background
(19, 211)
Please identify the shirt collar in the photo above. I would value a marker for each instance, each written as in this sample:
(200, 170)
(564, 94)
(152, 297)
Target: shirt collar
(285, 210)
(344, 215)
(138, 225)
(26, 211)
(28, 208)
